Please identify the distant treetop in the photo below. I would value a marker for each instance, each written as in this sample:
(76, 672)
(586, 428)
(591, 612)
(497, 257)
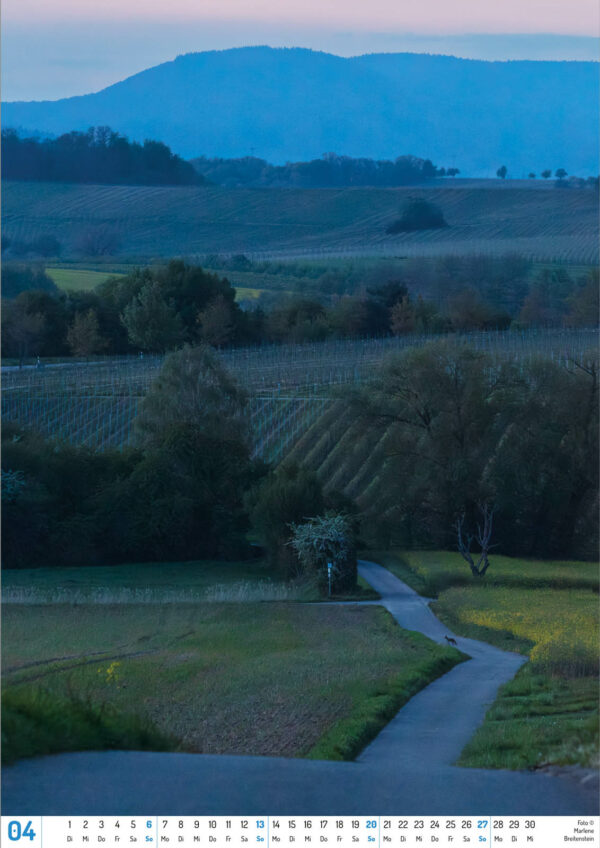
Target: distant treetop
(99, 155)
(330, 171)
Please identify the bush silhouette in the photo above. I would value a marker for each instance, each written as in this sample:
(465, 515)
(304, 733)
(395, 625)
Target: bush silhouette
(418, 214)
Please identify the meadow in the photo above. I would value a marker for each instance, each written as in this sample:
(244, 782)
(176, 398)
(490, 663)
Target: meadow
(153, 222)
(158, 582)
(546, 610)
(86, 279)
(78, 279)
(270, 678)
(143, 582)
(432, 572)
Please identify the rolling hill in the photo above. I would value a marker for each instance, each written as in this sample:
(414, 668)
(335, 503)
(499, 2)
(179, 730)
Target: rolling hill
(194, 221)
(296, 104)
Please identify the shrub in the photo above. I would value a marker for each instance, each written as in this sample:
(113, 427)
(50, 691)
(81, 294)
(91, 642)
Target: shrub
(290, 495)
(418, 214)
(323, 541)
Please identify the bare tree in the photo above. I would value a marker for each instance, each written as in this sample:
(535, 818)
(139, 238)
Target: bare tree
(483, 538)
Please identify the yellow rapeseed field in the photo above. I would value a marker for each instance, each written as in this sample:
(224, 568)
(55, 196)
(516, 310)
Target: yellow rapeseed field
(562, 625)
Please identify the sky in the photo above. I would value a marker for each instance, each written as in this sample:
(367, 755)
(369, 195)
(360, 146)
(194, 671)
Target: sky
(69, 47)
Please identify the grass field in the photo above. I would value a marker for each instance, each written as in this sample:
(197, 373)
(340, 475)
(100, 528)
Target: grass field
(432, 572)
(242, 293)
(151, 583)
(271, 679)
(547, 610)
(144, 583)
(153, 222)
(83, 279)
(74, 279)
(535, 721)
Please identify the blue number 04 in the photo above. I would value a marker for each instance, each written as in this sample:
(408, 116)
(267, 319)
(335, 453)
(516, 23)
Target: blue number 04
(15, 832)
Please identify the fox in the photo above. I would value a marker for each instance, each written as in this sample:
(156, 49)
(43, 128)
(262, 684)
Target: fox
(450, 640)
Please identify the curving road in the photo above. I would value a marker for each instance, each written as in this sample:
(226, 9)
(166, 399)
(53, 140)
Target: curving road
(406, 770)
(433, 728)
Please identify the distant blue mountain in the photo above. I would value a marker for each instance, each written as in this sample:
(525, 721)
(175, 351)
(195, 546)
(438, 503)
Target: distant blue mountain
(296, 104)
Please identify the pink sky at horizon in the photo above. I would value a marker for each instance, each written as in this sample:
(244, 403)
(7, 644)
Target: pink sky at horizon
(574, 17)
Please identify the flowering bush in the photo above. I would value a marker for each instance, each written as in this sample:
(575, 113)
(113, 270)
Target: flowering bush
(323, 540)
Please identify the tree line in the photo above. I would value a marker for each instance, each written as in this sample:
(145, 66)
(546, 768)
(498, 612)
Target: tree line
(330, 171)
(99, 155)
(157, 309)
(188, 490)
(463, 434)
(560, 175)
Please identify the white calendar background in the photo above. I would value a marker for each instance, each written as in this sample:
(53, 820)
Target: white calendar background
(300, 831)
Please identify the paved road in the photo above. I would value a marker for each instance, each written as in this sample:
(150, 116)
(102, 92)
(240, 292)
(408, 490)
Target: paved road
(436, 724)
(407, 769)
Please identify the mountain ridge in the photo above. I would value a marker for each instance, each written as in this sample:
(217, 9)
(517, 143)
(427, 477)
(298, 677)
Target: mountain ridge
(293, 104)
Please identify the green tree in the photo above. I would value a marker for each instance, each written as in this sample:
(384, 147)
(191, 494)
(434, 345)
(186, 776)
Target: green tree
(194, 388)
(151, 323)
(17, 278)
(468, 311)
(189, 289)
(359, 316)
(402, 317)
(438, 407)
(53, 517)
(178, 293)
(51, 340)
(216, 322)
(547, 301)
(584, 304)
(544, 467)
(297, 319)
(502, 172)
(560, 174)
(290, 495)
(22, 331)
(184, 499)
(547, 173)
(83, 336)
